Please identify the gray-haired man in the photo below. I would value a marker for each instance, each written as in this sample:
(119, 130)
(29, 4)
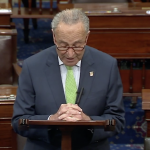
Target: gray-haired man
(42, 91)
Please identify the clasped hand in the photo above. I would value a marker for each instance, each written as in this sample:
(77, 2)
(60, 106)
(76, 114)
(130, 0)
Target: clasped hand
(69, 112)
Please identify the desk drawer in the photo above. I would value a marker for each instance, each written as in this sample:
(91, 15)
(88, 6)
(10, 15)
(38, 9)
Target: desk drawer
(6, 109)
(5, 20)
(5, 135)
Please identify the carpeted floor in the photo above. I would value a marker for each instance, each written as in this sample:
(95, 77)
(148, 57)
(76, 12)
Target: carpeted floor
(39, 39)
(126, 147)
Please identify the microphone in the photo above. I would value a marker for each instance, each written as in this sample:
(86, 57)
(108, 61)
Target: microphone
(79, 94)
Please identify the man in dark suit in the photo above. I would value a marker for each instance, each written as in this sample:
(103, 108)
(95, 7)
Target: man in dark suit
(42, 92)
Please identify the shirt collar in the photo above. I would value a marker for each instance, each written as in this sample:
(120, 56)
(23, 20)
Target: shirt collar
(61, 63)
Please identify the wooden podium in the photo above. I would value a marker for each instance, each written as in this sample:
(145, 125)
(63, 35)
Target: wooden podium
(66, 127)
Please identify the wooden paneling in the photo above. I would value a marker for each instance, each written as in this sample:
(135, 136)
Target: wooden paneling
(146, 100)
(125, 80)
(123, 43)
(147, 77)
(5, 133)
(137, 76)
(120, 21)
(4, 20)
(6, 109)
(5, 12)
(7, 137)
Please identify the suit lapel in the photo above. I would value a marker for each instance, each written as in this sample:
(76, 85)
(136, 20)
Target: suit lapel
(87, 75)
(53, 76)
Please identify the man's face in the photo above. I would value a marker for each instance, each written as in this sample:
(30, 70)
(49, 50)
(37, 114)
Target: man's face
(70, 36)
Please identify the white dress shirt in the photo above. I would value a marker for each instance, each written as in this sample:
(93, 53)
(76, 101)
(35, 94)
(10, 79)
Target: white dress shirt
(63, 71)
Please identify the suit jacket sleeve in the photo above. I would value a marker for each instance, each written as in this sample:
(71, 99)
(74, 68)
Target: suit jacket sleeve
(24, 107)
(114, 108)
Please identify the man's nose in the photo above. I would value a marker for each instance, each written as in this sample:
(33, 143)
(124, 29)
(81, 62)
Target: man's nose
(70, 52)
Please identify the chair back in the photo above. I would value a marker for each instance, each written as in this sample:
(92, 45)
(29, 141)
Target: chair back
(6, 70)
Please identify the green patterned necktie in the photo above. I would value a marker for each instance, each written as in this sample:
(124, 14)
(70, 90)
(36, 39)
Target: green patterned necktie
(70, 86)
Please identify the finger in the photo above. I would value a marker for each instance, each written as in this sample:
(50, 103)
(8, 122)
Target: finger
(74, 106)
(71, 119)
(62, 109)
(72, 111)
(63, 116)
(77, 117)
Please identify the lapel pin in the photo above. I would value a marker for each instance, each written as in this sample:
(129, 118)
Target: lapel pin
(91, 74)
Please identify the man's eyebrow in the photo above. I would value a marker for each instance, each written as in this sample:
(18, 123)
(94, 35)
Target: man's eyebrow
(62, 42)
(78, 41)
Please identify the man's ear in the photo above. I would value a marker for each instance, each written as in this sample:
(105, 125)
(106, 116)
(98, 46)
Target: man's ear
(53, 36)
(87, 36)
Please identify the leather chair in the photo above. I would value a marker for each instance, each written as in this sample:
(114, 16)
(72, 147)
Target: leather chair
(8, 68)
(9, 72)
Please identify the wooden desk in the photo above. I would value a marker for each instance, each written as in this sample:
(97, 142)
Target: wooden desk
(124, 35)
(8, 139)
(5, 12)
(7, 136)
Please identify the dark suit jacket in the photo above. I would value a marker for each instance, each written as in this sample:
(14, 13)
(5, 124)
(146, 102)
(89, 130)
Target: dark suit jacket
(40, 94)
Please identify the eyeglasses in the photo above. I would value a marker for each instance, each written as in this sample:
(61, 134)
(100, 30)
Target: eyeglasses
(74, 48)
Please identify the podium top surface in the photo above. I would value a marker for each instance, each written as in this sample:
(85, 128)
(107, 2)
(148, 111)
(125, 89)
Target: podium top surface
(70, 123)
